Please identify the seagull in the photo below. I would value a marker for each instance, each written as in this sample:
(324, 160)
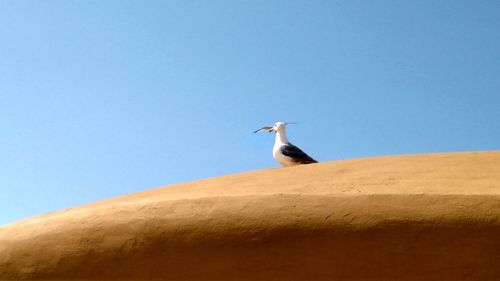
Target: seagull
(284, 152)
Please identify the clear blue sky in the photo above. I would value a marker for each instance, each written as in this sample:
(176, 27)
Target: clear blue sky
(102, 98)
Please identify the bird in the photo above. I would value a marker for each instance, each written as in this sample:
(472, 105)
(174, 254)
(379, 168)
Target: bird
(284, 152)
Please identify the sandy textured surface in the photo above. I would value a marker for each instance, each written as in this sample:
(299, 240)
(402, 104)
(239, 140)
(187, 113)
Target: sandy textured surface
(421, 217)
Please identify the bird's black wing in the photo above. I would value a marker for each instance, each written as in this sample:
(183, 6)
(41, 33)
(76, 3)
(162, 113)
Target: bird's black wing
(296, 154)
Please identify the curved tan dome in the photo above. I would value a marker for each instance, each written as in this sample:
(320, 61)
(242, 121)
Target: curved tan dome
(421, 217)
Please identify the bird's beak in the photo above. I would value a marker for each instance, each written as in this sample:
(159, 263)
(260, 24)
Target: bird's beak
(270, 129)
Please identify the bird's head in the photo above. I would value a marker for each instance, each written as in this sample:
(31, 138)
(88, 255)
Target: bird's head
(276, 127)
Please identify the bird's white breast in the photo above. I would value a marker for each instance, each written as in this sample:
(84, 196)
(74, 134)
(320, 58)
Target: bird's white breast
(279, 141)
(282, 159)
